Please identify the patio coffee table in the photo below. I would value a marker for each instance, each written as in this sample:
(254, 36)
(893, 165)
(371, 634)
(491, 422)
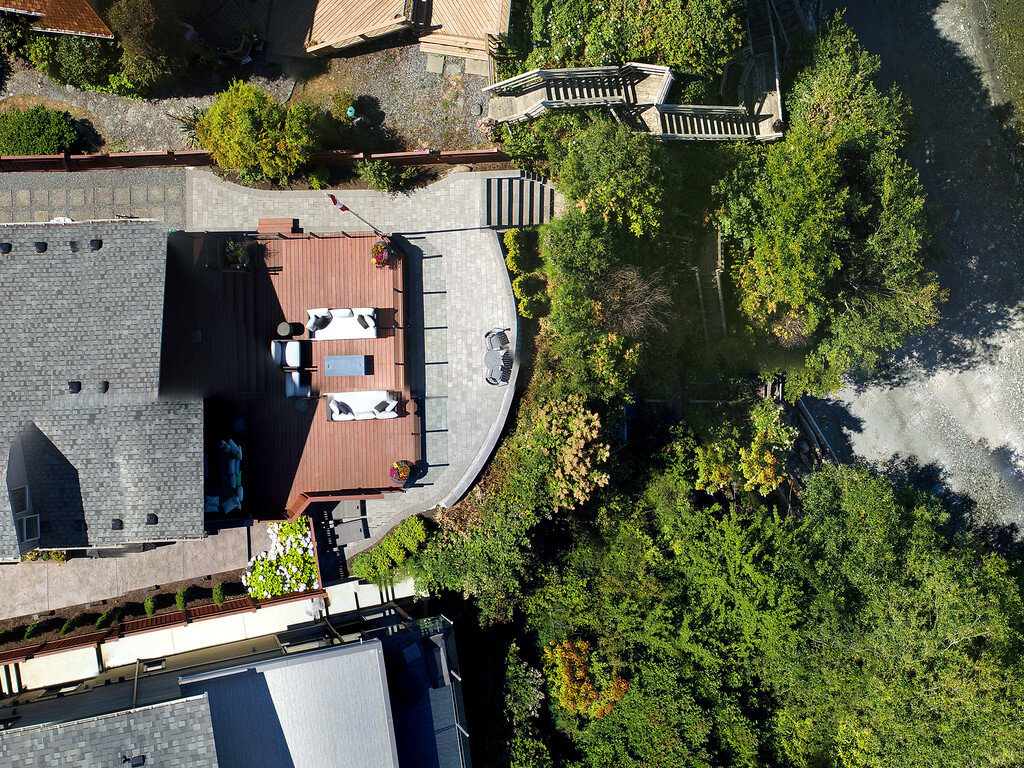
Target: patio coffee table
(345, 365)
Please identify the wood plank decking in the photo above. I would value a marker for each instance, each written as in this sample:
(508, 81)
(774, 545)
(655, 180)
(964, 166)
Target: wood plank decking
(217, 335)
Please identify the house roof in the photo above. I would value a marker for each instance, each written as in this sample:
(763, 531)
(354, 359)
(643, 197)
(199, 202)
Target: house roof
(73, 17)
(328, 707)
(174, 733)
(114, 449)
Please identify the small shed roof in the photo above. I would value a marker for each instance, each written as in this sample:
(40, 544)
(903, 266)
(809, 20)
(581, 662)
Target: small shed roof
(72, 17)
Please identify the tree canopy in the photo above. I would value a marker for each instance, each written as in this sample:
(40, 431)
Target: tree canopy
(829, 225)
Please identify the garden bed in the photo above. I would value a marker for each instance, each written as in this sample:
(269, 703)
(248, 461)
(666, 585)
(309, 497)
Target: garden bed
(131, 605)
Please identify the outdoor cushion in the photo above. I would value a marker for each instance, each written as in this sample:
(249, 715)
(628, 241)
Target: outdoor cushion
(362, 321)
(364, 415)
(348, 323)
(381, 406)
(342, 313)
(230, 505)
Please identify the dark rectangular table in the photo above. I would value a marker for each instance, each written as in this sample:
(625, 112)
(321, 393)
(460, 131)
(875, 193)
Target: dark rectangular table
(345, 365)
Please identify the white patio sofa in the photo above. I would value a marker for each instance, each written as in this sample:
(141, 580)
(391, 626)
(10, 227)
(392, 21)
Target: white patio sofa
(347, 323)
(360, 406)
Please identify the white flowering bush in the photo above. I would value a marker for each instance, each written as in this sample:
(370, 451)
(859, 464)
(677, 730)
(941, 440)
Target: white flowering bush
(288, 566)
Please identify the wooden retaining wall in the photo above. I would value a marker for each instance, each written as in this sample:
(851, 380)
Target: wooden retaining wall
(198, 158)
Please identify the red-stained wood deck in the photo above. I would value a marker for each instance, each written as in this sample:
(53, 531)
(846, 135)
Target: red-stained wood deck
(290, 451)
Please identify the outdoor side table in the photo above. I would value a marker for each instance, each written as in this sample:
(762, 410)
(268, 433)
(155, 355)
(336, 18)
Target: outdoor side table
(345, 365)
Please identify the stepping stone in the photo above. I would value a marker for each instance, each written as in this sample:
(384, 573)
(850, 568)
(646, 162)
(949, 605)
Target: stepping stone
(435, 63)
(476, 67)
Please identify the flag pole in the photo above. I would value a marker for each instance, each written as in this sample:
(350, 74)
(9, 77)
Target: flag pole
(344, 208)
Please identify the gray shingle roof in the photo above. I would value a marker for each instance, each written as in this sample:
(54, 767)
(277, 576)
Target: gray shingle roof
(96, 318)
(177, 733)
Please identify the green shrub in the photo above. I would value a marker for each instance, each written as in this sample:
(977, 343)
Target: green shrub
(107, 618)
(85, 62)
(522, 254)
(13, 32)
(246, 130)
(153, 50)
(181, 598)
(218, 594)
(71, 625)
(319, 177)
(533, 307)
(288, 567)
(32, 630)
(149, 606)
(42, 52)
(529, 284)
(383, 176)
(36, 131)
(378, 565)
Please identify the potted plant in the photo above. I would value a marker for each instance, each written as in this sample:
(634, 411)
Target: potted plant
(400, 471)
(379, 254)
(236, 253)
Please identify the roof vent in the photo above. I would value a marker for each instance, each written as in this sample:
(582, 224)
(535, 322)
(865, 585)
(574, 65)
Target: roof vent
(117, 524)
(73, 245)
(104, 386)
(74, 387)
(95, 245)
(5, 248)
(41, 246)
(151, 519)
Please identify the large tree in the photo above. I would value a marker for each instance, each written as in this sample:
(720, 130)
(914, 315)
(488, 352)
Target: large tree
(829, 225)
(910, 648)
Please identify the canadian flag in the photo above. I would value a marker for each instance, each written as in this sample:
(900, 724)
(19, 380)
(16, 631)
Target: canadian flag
(336, 202)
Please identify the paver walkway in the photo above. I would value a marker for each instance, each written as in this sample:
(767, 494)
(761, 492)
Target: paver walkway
(147, 193)
(466, 292)
(36, 587)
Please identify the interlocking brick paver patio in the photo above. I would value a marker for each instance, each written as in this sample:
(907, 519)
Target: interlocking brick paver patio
(36, 587)
(468, 294)
(143, 192)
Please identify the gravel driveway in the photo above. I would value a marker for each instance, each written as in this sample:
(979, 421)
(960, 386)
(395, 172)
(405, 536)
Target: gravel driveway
(952, 405)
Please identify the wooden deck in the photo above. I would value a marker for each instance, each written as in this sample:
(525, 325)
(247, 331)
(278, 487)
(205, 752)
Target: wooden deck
(342, 23)
(217, 335)
(462, 27)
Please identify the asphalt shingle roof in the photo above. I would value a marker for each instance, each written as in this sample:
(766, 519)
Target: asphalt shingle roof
(113, 449)
(177, 733)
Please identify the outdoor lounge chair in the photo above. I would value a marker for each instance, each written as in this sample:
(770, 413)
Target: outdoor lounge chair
(290, 354)
(496, 339)
(297, 384)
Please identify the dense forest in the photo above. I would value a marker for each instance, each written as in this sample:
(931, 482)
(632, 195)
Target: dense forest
(630, 589)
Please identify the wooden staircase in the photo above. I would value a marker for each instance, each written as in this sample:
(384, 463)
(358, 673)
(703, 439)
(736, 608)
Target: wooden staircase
(786, 19)
(527, 95)
(519, 200)
(699, 123)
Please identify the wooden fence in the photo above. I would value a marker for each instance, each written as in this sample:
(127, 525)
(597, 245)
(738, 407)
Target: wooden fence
(197, 157)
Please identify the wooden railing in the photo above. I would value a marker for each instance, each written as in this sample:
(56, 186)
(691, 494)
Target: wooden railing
(537, 76)
(198, 158)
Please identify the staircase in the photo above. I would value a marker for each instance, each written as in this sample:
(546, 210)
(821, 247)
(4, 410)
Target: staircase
(520, 98)
(518, 200)
(697, 123)
(636, 95)
(787, 20)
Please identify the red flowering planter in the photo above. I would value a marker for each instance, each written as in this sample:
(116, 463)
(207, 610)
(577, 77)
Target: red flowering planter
(399, 472)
